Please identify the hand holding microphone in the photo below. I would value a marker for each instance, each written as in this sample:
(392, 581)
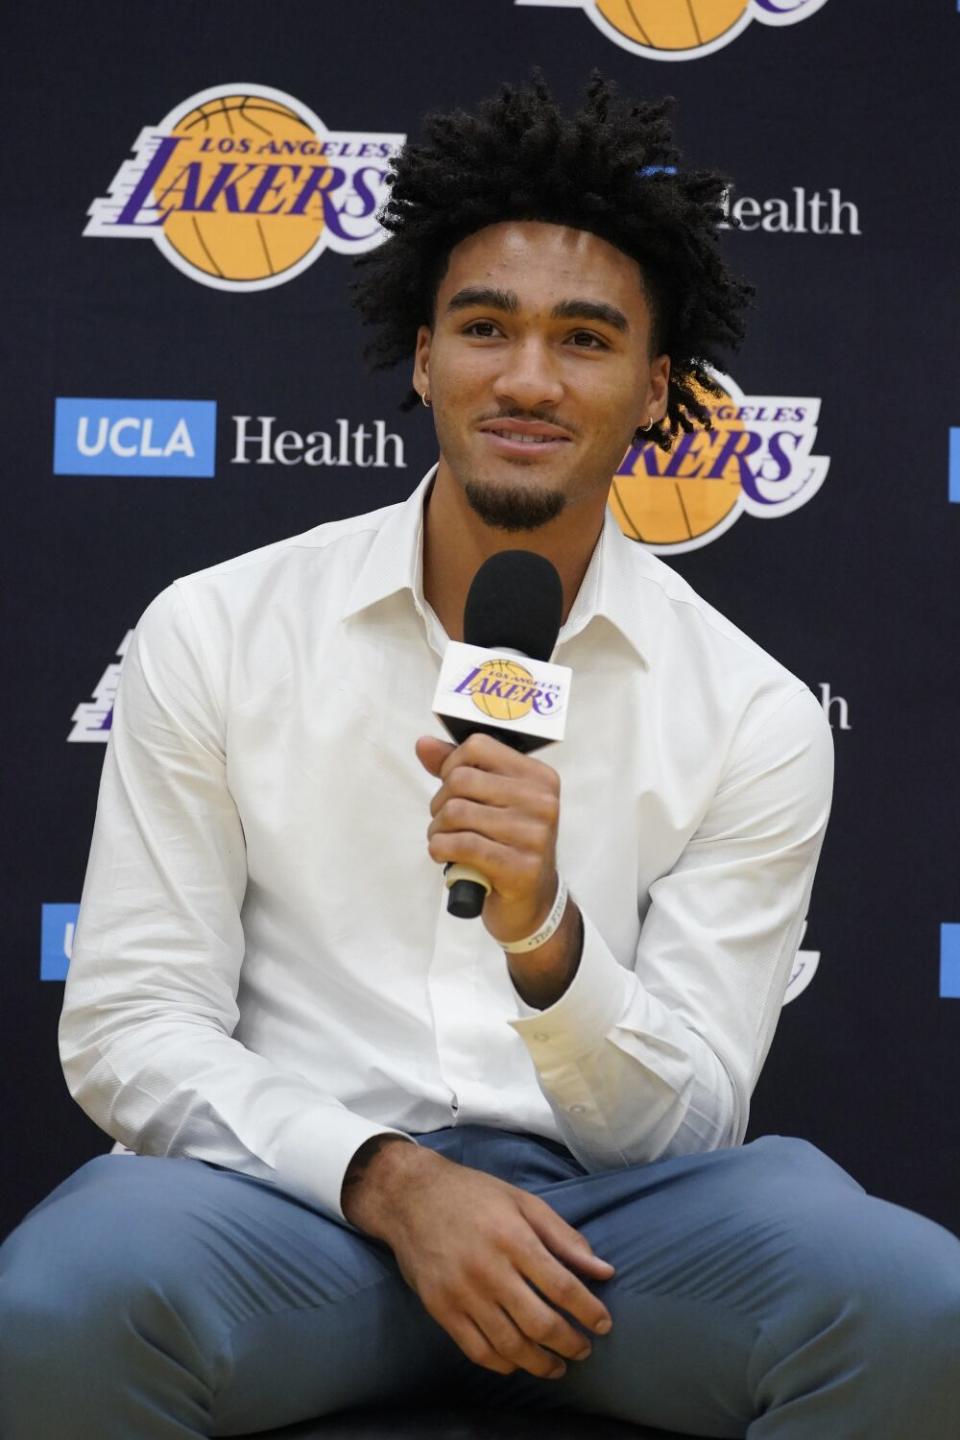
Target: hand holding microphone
(495, 816)
(496, 812)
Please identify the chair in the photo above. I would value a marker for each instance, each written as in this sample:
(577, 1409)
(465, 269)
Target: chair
(399, 1423)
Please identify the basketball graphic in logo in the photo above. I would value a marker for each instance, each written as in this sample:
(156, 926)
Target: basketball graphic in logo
(503, 690)
(681, 29)
(241, 187)
(677, 25)
(228, 242)
(756, 457)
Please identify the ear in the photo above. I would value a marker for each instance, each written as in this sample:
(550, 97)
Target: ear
(657, 390)
(421, 361)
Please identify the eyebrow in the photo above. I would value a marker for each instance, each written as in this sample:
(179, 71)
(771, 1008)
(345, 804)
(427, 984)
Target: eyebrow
(574, 309)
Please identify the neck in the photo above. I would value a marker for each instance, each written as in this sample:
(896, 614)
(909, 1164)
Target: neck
(456, 542)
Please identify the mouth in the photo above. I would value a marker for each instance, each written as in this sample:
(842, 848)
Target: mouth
(527, 438)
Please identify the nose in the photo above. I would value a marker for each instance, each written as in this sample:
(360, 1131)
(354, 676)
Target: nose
(529, 378)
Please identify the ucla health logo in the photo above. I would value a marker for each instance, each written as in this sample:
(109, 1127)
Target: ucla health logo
(756, 459)
(134, 437)
(681, 29)
(241, 187)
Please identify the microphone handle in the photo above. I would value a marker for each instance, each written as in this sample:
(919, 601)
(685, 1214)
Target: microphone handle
(467, 889)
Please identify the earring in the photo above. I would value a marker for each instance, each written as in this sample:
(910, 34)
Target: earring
(426, 399)
(648, 426)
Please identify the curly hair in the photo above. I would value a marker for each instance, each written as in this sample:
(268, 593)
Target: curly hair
(612, 169)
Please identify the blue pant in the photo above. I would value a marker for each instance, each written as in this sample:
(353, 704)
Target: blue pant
(759, 1291)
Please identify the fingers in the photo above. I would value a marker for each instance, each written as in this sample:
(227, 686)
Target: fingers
(538, 1328)
(478, 1348)
(515, 1346)
(503, 827)
(538, 1344)
(482, 752)
(562, 1288)
(466, 782)
(547, 1267)
(520, 1332)
(432, 752)
(576, 1250)
(483, 818)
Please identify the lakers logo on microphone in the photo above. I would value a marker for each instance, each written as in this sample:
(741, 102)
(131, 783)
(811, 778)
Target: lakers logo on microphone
(505, 690)
(674, 30)
(525, 696)
(241, 187)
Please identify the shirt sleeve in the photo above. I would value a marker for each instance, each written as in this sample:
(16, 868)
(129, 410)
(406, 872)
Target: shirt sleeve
(150, 1003)
(663, 1060)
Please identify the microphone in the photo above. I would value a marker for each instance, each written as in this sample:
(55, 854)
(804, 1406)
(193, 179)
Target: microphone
(499, 681)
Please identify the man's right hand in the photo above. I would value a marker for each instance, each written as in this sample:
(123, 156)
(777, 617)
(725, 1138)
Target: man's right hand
(472, 1248)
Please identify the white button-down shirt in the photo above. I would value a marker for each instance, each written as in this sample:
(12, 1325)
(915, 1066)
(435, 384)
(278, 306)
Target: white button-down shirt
(264, 974)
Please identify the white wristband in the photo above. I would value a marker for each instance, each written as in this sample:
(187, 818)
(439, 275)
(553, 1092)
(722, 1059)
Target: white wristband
(548, 928)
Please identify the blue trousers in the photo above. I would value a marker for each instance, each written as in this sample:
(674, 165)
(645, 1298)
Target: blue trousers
(759, 1291)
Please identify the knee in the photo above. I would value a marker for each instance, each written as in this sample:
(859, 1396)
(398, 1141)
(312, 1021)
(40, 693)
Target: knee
(880, 1271)
(787, 1161)
(826, 1239)
(105, 1247)
(102, 1304)
(869, 1295)
(906, 1268)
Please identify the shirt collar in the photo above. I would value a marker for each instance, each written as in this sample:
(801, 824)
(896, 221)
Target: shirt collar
(395, 559)
(609, 588)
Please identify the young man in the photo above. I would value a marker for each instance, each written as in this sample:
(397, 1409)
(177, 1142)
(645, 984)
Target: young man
(385, 1152)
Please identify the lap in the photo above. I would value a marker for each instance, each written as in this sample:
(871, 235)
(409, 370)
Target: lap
(291, 1306)
(726, 1262)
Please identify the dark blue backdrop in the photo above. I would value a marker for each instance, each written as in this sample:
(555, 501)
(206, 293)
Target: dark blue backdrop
(855, 590)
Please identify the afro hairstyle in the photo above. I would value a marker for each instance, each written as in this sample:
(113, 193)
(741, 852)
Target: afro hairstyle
(613, 169)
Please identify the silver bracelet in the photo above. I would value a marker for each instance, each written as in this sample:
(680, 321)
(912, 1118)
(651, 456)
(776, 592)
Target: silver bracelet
(549, 927)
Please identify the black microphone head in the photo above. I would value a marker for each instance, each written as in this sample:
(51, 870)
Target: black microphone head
(515, 600)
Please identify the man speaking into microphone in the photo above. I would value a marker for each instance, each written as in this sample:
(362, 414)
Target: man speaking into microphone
(387, 1152)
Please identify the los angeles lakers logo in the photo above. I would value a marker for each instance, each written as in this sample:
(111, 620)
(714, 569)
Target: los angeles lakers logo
(505, 690)
(757, 458)
(681, 29)
(241, 187)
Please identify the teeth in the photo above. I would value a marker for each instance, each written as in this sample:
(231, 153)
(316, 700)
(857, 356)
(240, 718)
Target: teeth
(526, 439)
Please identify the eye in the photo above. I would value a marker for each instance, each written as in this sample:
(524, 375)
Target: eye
(481, 329)
(587, 340)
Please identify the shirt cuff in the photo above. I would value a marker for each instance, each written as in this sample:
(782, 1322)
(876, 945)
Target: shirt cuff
(316, 1148)
(593, 1002)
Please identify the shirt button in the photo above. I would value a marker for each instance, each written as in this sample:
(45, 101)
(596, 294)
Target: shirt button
(577, 1109)
(541, 1035)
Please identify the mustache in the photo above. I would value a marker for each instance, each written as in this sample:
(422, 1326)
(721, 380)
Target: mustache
(545, 417)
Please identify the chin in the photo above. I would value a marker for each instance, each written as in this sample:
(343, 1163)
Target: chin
(507, 506)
